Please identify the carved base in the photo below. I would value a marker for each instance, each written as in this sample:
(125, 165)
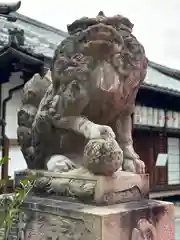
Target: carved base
(81, 185)
(54, 219)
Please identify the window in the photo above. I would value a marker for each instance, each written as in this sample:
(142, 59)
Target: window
(173, 161)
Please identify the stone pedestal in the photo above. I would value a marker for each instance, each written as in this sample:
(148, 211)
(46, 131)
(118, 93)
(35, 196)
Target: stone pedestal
(49, 218)
(118, 208)
(83, 186)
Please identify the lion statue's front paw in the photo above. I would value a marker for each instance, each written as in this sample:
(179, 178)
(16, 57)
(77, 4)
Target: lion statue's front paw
(134, 165)
(106, 132)
(60, 163)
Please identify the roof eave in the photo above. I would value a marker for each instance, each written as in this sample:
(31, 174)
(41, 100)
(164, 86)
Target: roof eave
(160, 89)
(39, 24)
(165, 70)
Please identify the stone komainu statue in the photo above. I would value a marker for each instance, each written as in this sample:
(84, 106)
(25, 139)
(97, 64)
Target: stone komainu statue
(80, 112)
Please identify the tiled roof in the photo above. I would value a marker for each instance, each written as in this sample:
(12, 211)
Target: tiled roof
(174, 73)
(39, 38)
(161, 81)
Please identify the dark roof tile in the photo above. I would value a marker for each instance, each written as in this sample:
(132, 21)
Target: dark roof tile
(40, 39)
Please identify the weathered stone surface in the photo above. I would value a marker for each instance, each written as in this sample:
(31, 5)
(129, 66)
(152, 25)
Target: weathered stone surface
(85, 103)
(81, 185)
(62, 220)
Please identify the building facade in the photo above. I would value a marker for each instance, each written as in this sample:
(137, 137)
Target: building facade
(156, 123)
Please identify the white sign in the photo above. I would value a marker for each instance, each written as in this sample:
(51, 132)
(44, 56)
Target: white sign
(161, 160)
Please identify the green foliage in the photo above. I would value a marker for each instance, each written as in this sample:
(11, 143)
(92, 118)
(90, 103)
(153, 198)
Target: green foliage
(12, 204)
(3, 160)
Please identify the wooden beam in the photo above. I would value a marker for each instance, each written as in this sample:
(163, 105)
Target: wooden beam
(9, 187)
(13, 142)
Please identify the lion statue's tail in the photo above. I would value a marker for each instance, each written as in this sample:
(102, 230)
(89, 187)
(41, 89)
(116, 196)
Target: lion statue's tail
(33, 92)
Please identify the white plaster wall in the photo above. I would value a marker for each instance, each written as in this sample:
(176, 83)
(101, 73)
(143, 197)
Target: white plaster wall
(17, 161)
(13, 104)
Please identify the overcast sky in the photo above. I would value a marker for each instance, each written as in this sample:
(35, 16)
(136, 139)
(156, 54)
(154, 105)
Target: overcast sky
(157, 22)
